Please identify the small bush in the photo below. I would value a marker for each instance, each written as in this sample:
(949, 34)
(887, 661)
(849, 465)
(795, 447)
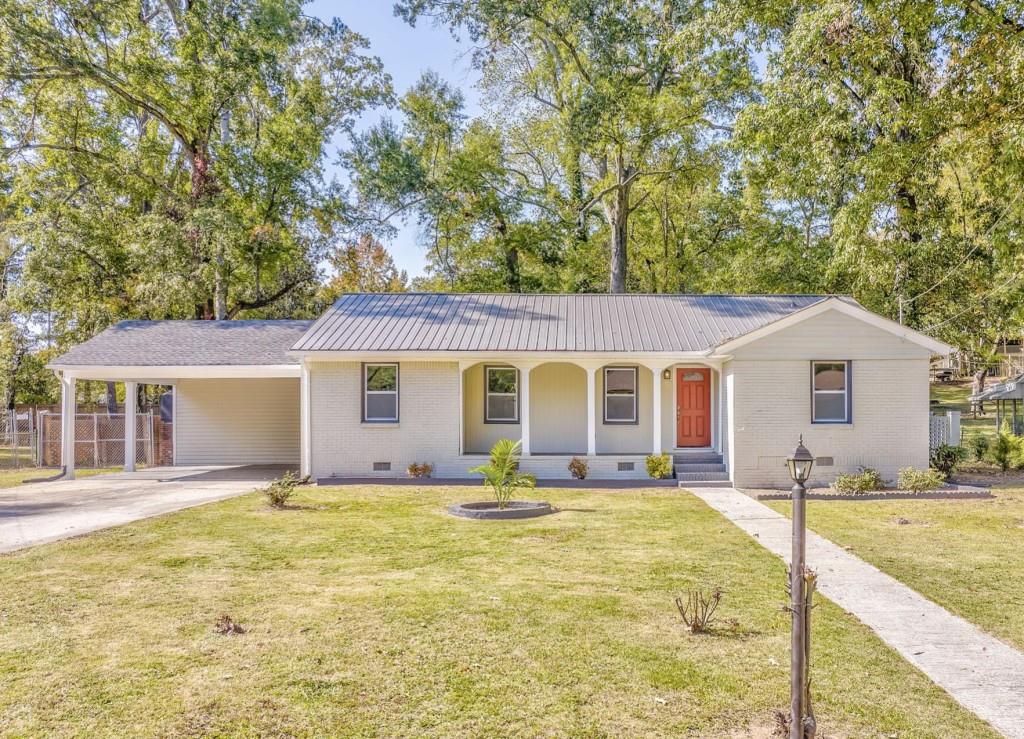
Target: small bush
(698, 611)
(659, 466)
(502, 473)
(865, 481)
(946, 458)
(1006, 450)
(978, 445)
(578, 468)
(918, 481)
(279, 491)
(227, 625)
(420, 470)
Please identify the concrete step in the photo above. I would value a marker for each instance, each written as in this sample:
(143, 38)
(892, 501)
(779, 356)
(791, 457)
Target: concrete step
(697, 458)
(699, 467)
(706, 484)
(702, 476)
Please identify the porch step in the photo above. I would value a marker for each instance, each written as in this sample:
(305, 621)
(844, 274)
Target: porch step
(706, 484)
(702, 476)
(699, 467)
(700, 457)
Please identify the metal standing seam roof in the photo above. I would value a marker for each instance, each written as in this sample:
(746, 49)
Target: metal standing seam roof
(187, 343)
(505, 322)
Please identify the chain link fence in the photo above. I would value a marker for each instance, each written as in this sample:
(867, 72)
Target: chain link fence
(18, 439)
(99, 439)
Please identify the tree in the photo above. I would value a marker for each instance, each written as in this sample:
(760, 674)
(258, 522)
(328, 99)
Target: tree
(627, 93)
(169, 154)
(365, 266)
(485, 229)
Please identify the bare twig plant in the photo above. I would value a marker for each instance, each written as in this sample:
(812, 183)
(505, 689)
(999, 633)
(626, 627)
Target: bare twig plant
(698, 611)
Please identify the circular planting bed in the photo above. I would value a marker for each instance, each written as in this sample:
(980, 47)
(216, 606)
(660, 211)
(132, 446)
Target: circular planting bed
(489, 510)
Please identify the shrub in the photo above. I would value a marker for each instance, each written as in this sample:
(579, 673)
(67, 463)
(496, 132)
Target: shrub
(578, 468)
(978, 445)
(502, 472)
(865, 481)
(1005, 451)
(420, 470)
(945, 458)
(698, 611)
(659, 466)
(918, 481)
(279, 491)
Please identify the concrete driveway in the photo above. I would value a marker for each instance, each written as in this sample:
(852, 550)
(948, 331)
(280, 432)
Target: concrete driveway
(36, 513)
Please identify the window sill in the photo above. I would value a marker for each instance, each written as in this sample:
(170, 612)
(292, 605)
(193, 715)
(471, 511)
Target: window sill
(380, 424)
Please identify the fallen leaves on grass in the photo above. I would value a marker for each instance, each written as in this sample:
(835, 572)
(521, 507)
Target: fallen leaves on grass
(226, 625)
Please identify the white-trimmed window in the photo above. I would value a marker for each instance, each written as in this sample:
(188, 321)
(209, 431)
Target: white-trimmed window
(380, 392)
(501, 395)
(620, 392)
(830, 392)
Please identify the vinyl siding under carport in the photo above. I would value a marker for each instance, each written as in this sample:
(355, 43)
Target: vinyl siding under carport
(237, 421)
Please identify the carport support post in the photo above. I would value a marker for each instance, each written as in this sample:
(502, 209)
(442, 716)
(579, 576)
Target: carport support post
(131, 394)
(68, 408)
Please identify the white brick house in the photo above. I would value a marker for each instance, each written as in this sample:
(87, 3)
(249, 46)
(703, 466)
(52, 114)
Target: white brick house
(726, 384)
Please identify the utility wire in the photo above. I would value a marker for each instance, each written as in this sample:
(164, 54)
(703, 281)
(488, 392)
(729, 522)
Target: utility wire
(988, 231)
(991, 292)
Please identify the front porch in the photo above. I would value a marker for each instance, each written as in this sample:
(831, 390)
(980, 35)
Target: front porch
(612, 415)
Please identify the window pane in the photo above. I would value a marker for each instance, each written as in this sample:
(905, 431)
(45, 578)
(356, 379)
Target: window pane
(501, 407)
(501, 380)
(619, 408)
(619, 381)
(829, 406)
(383, 406)
(381, 377)
(830, 376)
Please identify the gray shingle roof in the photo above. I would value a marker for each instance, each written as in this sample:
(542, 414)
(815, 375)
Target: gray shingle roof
(180, 343)
(514, 322)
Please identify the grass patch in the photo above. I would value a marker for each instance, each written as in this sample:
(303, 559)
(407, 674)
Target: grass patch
(10, 478)
(370, 611)
(952, 396)
(966, 555)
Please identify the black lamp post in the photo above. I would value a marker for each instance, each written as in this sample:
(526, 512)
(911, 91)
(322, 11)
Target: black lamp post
(800, 463)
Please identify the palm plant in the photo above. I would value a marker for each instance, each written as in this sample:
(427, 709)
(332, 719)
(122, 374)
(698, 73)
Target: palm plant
(502, 472)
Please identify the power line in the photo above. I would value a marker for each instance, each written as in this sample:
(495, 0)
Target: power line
(991, 292)
(950, 273)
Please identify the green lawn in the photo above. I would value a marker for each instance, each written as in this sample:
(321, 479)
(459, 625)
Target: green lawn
(966, 555)
(953, 396)
(370, 611)
(16, 476)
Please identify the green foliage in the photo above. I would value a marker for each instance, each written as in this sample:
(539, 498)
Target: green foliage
(578, 468)
(1007, 450)
(945, 458)
(864, 481)
(919, 481)
(978, 445)
(659, 466)
(280, 491)
(502, 473)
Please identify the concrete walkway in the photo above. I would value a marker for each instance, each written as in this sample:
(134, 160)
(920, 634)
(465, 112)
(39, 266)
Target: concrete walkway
(36, 513)
(979, 671)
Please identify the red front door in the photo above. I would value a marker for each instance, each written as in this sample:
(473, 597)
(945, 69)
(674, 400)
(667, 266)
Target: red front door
(693, 407)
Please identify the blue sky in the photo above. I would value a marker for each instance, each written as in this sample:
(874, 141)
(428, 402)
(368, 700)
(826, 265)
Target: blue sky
(406, 53)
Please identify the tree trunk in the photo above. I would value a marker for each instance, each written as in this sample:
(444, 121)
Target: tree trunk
(616, 213)
(111, 398)
(978, 386)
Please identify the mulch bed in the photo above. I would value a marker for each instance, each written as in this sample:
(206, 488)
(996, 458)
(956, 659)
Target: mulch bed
(956, 492)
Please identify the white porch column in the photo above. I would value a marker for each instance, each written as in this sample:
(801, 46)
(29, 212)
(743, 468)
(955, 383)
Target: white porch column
(68, 407)
(524, 402)
(463, 366)
(656, 370)
(131, 394)
(591, 370)
(305, 424)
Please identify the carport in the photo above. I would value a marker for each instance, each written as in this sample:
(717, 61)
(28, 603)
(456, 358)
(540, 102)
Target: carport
(235, 389)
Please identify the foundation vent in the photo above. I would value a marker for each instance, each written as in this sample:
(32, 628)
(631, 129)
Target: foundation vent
(626, 466)
(382, 467)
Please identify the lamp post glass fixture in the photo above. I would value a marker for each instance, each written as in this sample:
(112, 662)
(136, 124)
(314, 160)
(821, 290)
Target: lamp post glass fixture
(800, 463)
